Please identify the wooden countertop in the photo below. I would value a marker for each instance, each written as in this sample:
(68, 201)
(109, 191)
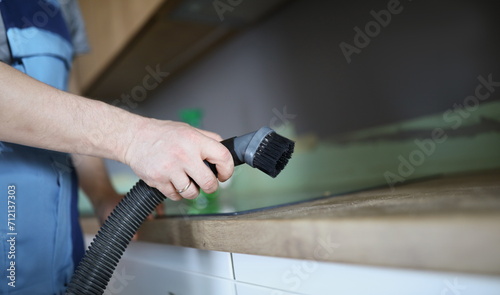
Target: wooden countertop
(445, 224)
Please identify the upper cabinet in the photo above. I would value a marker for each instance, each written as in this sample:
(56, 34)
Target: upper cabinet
(131, 40)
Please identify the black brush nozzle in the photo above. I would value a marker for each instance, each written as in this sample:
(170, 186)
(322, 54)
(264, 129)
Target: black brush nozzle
(273, 154)
(263, 149)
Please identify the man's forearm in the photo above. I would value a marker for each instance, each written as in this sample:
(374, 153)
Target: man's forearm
(35, 114)
(167, 155)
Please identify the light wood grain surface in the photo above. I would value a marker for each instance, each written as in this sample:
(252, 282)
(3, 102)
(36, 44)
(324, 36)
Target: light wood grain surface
(127, 37)
(110, 25)
(446, 224)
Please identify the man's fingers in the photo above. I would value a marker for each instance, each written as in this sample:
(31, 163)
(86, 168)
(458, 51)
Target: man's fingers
(174, 163)
(203, 178)
(220, 156)
(185, 186)
(169, 191)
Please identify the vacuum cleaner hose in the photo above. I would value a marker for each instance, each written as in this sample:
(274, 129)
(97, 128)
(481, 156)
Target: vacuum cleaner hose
(100, 260)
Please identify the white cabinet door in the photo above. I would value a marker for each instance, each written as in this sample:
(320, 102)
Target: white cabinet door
(135, 277)
(313, 278)
(212, 263)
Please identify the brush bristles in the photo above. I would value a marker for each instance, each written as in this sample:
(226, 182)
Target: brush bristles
(273, 154)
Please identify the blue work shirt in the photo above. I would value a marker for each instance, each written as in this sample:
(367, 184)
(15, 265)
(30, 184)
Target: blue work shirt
(40, 237)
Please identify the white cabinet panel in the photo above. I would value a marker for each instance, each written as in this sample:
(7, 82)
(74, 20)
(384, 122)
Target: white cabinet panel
(211, 263)
(160, 269)
(312, 277)
(133, 277)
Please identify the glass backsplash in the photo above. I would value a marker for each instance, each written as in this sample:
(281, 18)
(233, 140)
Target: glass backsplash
(378, 157)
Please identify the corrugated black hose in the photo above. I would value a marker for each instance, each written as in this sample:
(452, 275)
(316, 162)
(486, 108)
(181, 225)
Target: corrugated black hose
(100, 260)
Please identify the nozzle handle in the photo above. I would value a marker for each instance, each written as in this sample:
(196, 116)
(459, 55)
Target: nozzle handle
(229, 144)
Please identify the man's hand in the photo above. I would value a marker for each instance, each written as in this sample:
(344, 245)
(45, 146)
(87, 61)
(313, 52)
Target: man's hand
(169, 155)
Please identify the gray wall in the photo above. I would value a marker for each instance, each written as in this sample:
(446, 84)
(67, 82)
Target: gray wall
(425, 60)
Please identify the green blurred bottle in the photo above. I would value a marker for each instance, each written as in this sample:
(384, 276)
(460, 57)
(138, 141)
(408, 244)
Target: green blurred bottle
(204, 203)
